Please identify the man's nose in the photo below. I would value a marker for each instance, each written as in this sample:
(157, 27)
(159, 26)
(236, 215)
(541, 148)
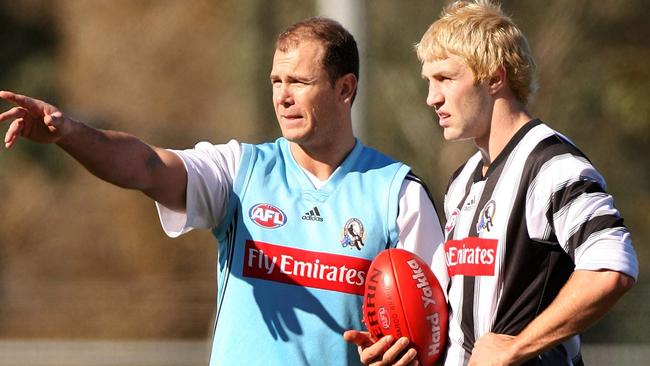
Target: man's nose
(283, 95)
(434, 97)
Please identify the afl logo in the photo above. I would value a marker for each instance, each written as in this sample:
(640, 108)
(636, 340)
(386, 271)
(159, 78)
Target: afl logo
(267, 216)
(384, 318)
(451, 223)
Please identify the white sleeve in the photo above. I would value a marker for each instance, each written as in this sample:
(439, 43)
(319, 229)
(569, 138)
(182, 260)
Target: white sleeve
(210, 173)
(419, 228)
(571, 192)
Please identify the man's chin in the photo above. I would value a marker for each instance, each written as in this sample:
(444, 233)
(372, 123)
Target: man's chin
(451, 136)
(454, 136)
(298, 139)
(292, 137)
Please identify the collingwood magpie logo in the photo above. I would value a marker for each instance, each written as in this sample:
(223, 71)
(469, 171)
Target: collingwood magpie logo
(353, 234)
(486, 217)
(313, 215)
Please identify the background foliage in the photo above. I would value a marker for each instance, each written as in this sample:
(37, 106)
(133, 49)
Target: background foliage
(80, 258)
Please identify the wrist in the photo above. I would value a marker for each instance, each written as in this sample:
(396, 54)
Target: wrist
(67, 129)
(520, 350)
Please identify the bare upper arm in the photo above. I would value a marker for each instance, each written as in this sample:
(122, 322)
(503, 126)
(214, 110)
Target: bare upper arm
(168, 179)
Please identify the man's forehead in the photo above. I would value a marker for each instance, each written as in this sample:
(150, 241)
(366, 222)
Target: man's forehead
(300, 45)
(307, 51)
(444, 63)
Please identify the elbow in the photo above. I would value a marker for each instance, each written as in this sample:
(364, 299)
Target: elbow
(618, 283)
(625, 282)
(607, 284)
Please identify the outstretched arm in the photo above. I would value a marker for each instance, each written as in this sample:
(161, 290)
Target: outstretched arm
(584, 299)
(115, 157)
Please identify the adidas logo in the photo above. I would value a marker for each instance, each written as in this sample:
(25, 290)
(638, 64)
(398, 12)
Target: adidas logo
(313, 215)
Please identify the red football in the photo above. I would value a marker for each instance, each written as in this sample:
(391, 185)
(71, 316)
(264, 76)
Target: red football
(403, 298)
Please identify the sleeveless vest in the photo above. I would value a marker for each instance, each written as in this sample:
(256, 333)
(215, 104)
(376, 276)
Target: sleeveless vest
(293, 260)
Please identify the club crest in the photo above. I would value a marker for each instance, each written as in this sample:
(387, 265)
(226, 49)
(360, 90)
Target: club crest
(353, 234)
(486, 217)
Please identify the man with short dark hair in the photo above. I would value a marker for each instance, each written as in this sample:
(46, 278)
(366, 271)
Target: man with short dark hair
(297, 220)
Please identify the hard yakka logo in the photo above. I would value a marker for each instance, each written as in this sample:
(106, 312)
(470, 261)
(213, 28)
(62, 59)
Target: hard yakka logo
(429, 303)
(471, 256)
(305, 268)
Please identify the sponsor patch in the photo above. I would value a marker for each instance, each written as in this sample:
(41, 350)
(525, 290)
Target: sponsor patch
(471, 256)
(267, 216)
(305, 268)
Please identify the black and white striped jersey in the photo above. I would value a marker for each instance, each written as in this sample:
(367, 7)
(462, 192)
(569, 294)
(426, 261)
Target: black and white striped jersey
(515, 235)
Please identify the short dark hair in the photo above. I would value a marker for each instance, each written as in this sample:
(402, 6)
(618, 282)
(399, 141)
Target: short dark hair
(341, 53)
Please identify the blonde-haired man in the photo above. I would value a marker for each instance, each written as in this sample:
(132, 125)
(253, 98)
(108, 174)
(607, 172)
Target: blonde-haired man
(535, 250)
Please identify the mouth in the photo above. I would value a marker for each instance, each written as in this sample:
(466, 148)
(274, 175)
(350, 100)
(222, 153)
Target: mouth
(443, 118)
(291, 116)
(290, 120)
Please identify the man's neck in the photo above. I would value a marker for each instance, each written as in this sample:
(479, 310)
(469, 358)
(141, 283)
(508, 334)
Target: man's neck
(506, 121)
(322, 161)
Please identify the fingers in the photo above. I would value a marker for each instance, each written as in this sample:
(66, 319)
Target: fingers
(395, 355)
(14, 131)
(376, 351)
(34, 106)
(409, 359)
(13, 113)
(12, 97)
(34, 120)
(361, 339)
(53, 120)
(6, 95)
(21, 100)
(386, 351)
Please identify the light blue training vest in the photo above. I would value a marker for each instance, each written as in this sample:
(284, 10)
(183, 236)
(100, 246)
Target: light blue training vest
(293, 259)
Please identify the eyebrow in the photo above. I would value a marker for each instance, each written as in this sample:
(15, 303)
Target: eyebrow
(294, 77)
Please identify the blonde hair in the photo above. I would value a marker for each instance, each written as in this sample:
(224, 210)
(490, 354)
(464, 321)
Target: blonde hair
(486, 39)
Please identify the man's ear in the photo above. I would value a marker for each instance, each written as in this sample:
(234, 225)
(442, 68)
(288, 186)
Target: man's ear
(347, 85)
(498, 80)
